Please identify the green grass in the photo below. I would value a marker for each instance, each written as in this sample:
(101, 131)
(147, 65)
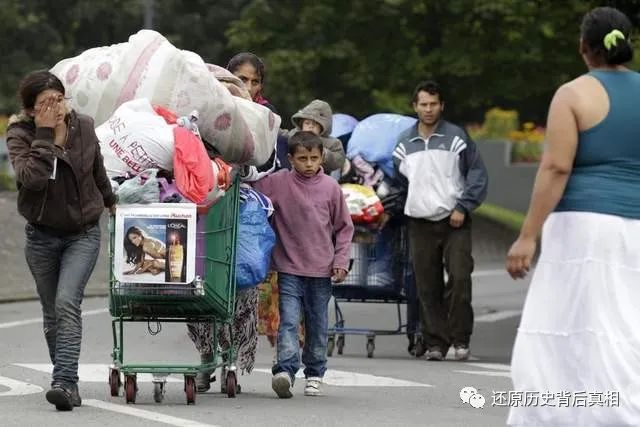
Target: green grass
(507, 217)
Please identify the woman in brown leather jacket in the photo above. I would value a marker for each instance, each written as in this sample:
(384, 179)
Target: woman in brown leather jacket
(62, 191)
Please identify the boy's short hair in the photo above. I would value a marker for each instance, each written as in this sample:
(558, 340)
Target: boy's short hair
(306, 139)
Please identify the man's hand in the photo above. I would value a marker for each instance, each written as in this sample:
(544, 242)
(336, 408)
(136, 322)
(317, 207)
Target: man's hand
(456, 219)
(382, 221)
(339, 274)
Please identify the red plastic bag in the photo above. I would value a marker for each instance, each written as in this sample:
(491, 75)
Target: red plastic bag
(169, 116)
(191, 166)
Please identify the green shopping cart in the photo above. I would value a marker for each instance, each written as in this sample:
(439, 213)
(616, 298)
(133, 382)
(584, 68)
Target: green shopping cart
(210, 297)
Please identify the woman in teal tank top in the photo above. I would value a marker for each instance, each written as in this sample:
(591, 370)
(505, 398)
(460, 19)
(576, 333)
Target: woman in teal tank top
(579, 336)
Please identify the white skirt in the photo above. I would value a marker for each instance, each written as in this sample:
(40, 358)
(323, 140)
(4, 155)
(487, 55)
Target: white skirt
(577, 352)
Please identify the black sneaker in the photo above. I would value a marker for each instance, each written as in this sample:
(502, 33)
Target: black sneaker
(76, 400)
(61, 397)
(419, 348)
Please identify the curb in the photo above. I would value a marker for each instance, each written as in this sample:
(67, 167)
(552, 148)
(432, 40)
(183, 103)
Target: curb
(507, 217)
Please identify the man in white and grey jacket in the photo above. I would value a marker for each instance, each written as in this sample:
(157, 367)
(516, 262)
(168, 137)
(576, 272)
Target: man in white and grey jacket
(445, 178)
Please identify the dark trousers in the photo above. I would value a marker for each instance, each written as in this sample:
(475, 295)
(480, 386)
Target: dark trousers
(447, 315)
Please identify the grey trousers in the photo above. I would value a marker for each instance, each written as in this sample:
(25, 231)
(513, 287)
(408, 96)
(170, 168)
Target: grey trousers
(61, 267)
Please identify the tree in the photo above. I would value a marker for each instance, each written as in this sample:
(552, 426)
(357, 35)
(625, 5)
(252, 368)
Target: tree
(38, 33)
(365, 57)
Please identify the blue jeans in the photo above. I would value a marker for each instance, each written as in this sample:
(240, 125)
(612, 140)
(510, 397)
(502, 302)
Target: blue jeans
(312, 295)
(61, 267)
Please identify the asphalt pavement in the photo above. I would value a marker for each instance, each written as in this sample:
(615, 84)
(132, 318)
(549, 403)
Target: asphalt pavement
(390, 389)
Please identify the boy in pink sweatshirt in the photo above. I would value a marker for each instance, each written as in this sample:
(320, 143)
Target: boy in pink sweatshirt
(310, 214)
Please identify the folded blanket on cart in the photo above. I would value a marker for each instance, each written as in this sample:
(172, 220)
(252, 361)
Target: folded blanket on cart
(101, 79)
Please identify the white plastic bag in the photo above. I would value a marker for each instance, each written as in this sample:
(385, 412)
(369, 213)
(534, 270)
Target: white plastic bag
(134, 139)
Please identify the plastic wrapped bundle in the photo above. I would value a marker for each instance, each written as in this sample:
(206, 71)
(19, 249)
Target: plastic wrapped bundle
(363, 203)
(375, 138)
(101, 79)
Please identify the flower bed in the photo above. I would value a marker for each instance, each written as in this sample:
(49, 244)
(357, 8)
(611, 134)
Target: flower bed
(527, 144)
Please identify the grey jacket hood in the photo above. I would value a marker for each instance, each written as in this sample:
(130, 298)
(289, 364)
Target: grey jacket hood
(317, 110)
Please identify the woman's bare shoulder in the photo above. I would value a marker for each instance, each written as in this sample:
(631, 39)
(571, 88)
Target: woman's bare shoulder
(577, 92)
(579, 86)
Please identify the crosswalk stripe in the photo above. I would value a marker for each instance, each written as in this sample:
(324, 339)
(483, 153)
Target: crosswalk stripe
(98, 373)
(18, 388)
(354, 379)
(93, 372)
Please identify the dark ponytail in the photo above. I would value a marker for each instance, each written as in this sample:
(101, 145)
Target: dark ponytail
(621, 53)
(602, 22)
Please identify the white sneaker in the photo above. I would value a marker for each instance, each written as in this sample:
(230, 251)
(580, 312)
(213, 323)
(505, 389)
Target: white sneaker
(281, 384)
(313, 387)
(462, 353)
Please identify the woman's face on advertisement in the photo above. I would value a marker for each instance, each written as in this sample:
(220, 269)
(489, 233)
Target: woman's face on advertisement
(136, 239)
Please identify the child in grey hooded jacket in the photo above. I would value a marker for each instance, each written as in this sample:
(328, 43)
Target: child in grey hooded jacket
(317, 117)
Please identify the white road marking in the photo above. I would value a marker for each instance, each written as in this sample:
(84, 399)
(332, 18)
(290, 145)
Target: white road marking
(489, 273)
(494, 370)
(498, 315)
(18, 388)
(354, 379)
(494, 366)
(98, 373)
(39, 319)
(488, 373)
(141, 413)
(93, 372)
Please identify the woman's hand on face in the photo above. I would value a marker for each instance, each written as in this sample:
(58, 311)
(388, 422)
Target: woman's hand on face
(520, 256)
(46, 115)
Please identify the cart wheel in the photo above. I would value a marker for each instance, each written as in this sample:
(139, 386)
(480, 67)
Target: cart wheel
(331, 343)
(340, 343)
(114, 382)
(232, 384)
(190, 389)
(130, 388)
(371, 345)
(158, 392)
